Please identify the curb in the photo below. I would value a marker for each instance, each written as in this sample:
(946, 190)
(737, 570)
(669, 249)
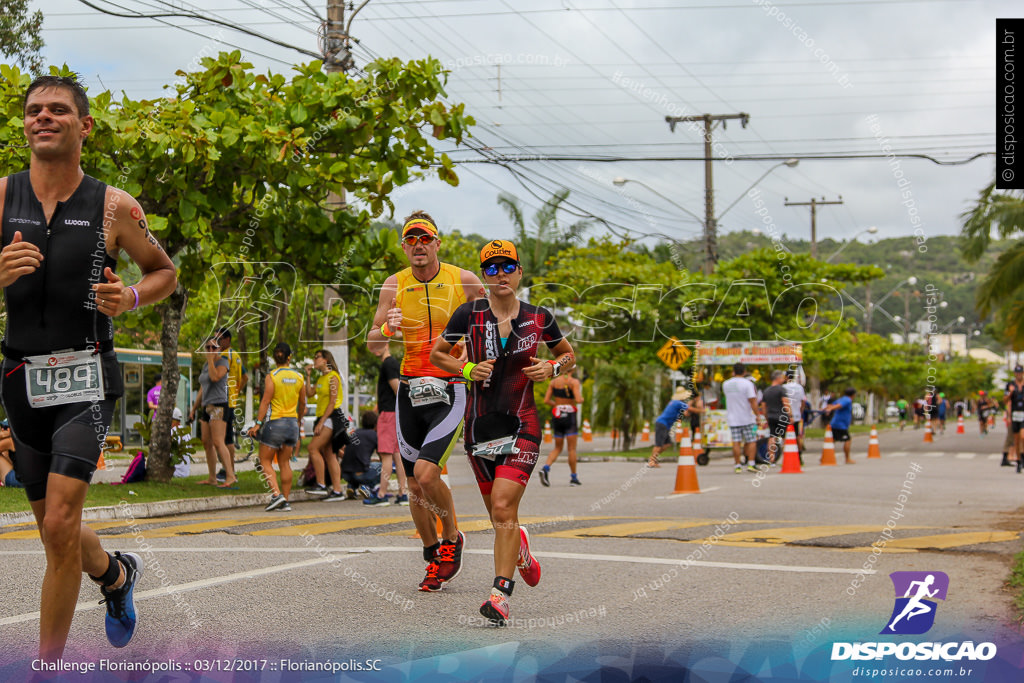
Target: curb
(163, 508)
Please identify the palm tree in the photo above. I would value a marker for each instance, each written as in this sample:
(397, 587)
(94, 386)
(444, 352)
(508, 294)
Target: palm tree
(546, 239)
(1002, 290)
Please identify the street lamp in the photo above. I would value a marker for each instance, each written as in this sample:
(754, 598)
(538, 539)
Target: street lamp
(949, 338)
(709, 222)
(872, 230)
(870, 307)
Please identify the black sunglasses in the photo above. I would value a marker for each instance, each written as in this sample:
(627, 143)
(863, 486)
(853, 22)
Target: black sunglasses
(491, 269)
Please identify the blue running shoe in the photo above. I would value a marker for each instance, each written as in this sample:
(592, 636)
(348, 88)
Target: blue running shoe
(120, 602)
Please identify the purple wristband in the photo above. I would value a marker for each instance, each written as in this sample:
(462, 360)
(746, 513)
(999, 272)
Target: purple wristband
(136, 293)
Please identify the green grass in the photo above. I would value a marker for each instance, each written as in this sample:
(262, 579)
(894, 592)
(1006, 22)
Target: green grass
(1016, 584)
(14, 500)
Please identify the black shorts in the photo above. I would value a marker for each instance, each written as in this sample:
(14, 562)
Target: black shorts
(840, 435)
(229, 434)
(429, 432)
(215, 411)
(517, 466)
(337, 422)
(662, 435)
(777, 428)
(564, 426)
(66, 439)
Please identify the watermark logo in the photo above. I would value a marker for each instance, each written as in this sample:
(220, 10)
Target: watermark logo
(916, 595)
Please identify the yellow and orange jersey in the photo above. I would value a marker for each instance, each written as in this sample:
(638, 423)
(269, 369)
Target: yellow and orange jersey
(426, 308)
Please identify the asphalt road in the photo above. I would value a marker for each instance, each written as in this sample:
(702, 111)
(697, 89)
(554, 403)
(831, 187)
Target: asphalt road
(754, 565)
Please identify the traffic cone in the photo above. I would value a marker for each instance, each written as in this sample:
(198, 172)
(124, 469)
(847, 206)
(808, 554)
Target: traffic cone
(928, 433)
(588, 435)
(698, 442)
(828, 453)
(686, 473)
(791, 454)
(548, 438)
(959, 425)
(102, 464)
(679, 431)
(873, 450)
(645, 436)
(685, 445)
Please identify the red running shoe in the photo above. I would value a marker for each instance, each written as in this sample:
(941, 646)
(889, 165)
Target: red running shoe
(529, 567)
(496, 607)
(449, 558)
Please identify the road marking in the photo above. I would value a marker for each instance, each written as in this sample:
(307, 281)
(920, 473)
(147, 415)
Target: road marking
(782, 535)
(331, 557)
(995, 456)
(680, 495)
(329, 527)
(932, 454)
(628, 528)
(966, 456)
(954, 540)
(898, 454)
(25, 534)
(185, 587)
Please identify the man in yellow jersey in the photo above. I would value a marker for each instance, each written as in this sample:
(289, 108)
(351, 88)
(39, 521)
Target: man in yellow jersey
(238, 378)
(284, 396)
(431, 403)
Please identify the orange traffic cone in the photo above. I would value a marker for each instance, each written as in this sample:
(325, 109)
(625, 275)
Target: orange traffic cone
(679, 431)
(828, 453)
(588, 435)
(686, 473)
(873, 450)
(548, 437)
(928, 433)
(791, 454)
(698, 442)
(102, 464)
(645, 436)
(959, 425)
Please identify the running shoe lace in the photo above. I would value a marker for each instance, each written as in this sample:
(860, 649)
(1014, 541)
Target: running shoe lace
(446, 553)
(432, 570)
(115, 606)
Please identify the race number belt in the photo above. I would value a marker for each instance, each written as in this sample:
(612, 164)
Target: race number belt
(489, 450)
(1017, 416)
(425, 391)
(564, 410)
(54, 379)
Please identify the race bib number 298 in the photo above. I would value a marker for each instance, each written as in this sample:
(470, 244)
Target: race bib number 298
(63, 377)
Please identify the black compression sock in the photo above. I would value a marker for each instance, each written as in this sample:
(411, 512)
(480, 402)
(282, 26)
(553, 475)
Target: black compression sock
(430, 551)
(504, 585)
(113, 573)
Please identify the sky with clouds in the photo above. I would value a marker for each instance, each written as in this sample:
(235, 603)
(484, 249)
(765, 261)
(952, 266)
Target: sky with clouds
(591, 82)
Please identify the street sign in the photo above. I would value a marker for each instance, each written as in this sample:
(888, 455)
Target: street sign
(674, 353)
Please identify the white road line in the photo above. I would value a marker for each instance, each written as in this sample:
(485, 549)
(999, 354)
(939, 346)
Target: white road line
(966, 456)
(680, 495)
(994, 456)
(933, 454)
(898, 454)
(253, 573)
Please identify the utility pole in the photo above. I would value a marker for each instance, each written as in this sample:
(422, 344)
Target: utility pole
(814, 204)
(338, 58)
(710, 227)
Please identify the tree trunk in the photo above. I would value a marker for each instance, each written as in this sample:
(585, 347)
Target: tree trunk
(172, 311)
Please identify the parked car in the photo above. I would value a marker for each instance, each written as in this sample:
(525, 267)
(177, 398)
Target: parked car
(858, 411)
(891, 410)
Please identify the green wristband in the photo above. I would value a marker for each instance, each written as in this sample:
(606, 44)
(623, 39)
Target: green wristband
(467, 370)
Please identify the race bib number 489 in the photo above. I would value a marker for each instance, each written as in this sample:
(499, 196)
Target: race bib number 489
(63, 377)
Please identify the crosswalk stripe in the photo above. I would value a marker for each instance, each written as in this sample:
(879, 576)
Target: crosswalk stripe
(628, 528)
(954, 540)
(329, 527)
(782, 535)
(201, 527)
(25, 534)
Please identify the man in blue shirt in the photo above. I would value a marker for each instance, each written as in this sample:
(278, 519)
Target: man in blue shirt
(843, 409)
(663, 425)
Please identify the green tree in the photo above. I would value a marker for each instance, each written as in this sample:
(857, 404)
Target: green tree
(1002, 290)
(536, 246)
(234, 169)
(19, 34)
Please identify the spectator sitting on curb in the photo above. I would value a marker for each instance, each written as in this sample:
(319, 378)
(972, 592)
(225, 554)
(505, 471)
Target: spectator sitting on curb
(356, 468)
